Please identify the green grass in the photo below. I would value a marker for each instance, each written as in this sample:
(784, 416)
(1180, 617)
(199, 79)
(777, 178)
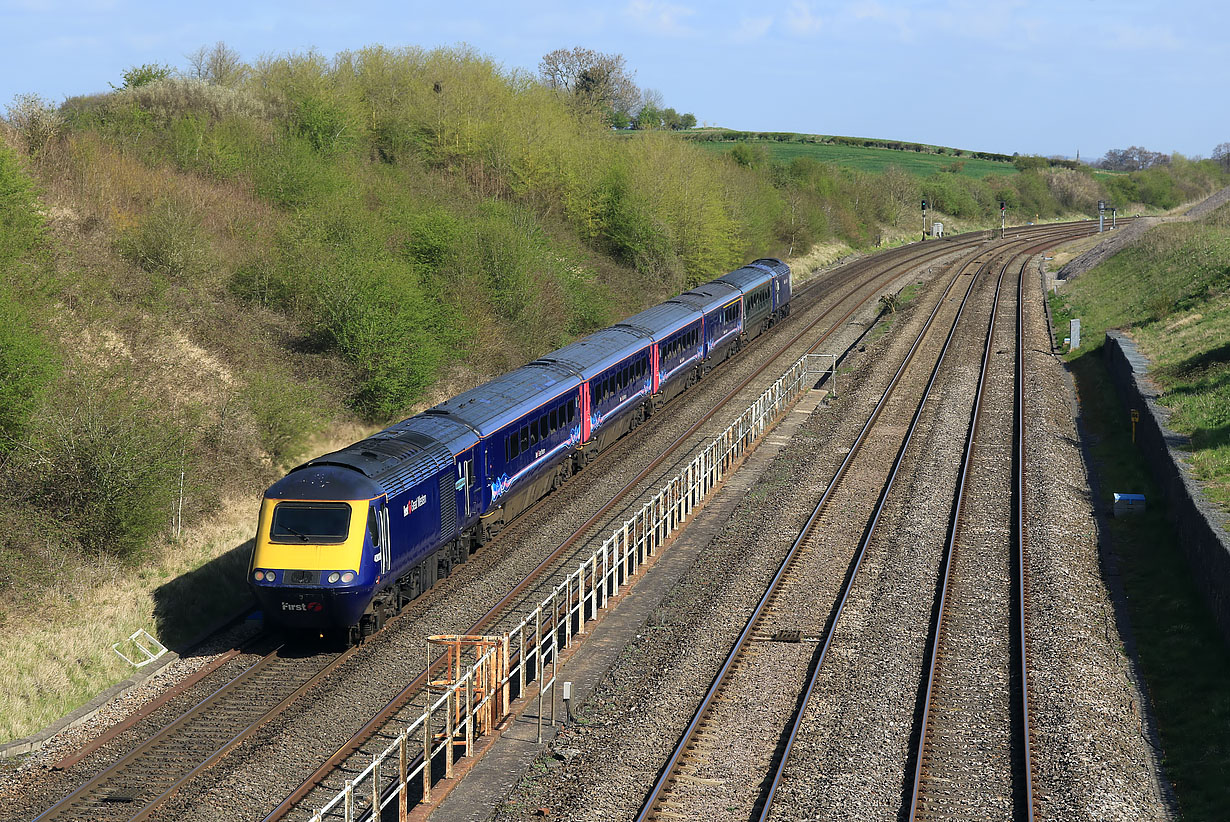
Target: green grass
(872, 159)
(1172, 291)
(1184, 660)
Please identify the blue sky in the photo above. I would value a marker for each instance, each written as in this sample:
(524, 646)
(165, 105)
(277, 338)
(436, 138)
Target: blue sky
(998, 75)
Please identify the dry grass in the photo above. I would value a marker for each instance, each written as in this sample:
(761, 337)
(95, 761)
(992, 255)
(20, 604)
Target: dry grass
(817, 257)
(1064, 254)
(57, 654)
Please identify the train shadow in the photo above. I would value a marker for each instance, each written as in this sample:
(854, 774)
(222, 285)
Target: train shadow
(193, 605)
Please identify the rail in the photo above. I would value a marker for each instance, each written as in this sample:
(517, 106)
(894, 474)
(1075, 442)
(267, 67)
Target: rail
(478, 698)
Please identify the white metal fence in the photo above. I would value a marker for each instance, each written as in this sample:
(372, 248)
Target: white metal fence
(477, 696)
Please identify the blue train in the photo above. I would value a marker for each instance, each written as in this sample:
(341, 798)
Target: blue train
(345, 540)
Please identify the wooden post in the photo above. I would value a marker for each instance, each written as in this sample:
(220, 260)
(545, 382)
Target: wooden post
(403, 779)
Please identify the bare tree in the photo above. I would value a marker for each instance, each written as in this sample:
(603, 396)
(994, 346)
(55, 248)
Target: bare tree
(592, 79)
(219, 65)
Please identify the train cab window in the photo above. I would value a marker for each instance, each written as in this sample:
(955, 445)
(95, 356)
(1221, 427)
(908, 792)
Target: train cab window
(315, 522)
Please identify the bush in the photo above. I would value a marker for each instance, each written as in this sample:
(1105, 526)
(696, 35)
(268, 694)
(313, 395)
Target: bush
(111, 465)
(36, 120)
(27, 364)
(286, 413)
(167, 241)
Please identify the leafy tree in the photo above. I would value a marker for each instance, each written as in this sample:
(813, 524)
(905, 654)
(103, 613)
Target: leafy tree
(143, 75)
(647, 118)
(1133, 158)
(687, 121)
(1222, 155)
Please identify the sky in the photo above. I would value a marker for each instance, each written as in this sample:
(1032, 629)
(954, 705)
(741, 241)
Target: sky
(1038, 77)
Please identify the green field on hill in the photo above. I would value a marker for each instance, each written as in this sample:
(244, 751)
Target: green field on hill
(869, 159)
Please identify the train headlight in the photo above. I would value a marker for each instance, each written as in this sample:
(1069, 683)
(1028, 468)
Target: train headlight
(348, 576)
(334, 577)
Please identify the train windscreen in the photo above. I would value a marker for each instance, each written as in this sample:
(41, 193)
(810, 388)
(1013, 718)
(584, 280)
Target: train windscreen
(310, 522)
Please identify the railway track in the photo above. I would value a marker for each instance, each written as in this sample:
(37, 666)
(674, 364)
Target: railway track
(973, 757)
(688, 783)
(212, 726)
(139, 783)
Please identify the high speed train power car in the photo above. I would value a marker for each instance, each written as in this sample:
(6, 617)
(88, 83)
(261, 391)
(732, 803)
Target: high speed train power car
(347, 539)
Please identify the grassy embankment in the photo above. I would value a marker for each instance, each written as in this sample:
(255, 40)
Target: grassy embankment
(1172, 291)
(216, 279)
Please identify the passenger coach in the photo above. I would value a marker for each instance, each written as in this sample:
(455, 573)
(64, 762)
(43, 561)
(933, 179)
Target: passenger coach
(348, 538)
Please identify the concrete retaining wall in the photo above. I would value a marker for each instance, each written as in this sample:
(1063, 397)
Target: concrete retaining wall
(1200, 526)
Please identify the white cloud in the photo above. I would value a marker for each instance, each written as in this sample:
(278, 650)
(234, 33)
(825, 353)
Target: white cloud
(801, 19)
(661, 18)
(1127, 37)
(751, 28)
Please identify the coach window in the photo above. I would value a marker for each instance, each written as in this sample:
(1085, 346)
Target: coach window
(525, 438)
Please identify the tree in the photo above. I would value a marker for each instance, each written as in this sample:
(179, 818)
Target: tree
(687, 121)
(1133, 158)
(595, 81)
(220, 65)
(647, 118)
(1222, 155)
(145, 74)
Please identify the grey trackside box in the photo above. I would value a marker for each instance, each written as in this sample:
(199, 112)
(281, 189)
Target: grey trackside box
(1126, 504)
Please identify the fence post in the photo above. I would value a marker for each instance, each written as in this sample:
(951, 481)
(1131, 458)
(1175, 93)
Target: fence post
(538, 663)
(427, 755)
(450, 730)
(403, 761)
(470, 713)
(375, 786)
(581, 598)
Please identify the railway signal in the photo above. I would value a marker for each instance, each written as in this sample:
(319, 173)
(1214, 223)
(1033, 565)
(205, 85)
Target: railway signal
(1002, 217)
(924, 202)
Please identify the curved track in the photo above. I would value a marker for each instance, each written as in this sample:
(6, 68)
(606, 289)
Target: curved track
(683, 778)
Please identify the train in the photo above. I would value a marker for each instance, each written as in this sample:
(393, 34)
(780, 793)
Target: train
(345, 540)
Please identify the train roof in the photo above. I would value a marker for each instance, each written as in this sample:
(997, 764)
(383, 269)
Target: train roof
(662, 320)
(590, 356)
(510, 396)
(709, 296)
(324, 481)
(755, 273)
(452, 433)
(394, 459)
